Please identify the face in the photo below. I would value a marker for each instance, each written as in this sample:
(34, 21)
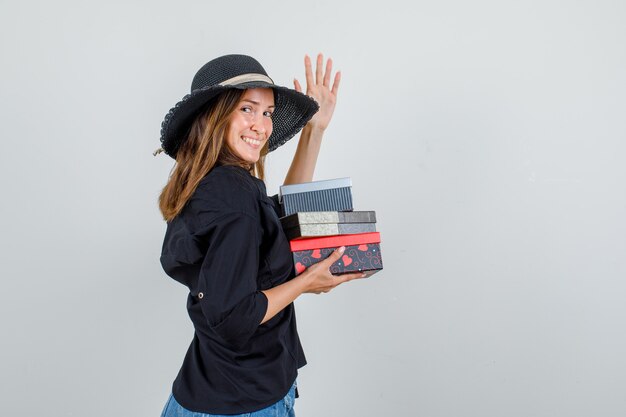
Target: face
(250, 125)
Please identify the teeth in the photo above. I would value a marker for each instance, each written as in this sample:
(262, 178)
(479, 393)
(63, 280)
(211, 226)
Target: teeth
(251, 141)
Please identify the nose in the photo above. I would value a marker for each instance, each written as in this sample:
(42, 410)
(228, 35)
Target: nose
(259, 128)
(262, 125)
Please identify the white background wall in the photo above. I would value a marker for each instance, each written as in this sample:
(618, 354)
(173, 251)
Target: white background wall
(489, 136)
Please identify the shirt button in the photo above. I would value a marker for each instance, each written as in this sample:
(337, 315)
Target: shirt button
(200, 295)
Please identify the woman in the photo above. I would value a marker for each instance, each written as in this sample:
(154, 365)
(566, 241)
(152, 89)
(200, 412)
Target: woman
(224, 240)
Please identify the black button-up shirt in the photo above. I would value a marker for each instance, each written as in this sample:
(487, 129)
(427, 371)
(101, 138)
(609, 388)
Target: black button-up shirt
(227, 246)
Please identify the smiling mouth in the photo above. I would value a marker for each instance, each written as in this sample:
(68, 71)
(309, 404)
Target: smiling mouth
(250, 141)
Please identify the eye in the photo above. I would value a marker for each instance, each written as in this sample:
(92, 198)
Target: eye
(246, 109)
(268, 114)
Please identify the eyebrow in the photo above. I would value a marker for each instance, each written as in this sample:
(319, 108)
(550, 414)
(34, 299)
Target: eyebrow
(256, 102)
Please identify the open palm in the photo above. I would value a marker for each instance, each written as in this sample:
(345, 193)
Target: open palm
(319, 88)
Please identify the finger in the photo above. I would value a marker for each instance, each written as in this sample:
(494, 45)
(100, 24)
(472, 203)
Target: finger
(318, 69)
(329, 69)
(308, 71)
(297, 85)
(343, 278)
(336, 83)
(333, 257)
(349, 277)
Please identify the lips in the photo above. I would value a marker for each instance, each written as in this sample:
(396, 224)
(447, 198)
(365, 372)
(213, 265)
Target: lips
(255, 143)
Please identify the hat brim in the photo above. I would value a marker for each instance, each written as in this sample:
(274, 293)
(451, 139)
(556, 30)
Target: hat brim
(292, 112)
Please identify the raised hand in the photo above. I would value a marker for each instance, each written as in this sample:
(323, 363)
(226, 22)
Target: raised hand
(319, 87)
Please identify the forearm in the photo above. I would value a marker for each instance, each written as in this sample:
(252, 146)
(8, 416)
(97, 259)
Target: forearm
(315, 279)
(304, 161)
(282, 295)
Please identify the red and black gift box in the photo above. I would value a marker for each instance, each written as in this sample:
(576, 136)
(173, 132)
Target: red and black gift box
(362, 253)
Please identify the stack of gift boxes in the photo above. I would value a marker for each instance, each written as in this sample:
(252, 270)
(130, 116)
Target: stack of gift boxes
(318, 217)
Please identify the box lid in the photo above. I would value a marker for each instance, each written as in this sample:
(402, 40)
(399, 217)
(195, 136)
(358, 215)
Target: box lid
(334, 241)
(306, 187)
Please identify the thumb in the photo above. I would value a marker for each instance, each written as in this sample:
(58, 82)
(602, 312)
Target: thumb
(335, 255)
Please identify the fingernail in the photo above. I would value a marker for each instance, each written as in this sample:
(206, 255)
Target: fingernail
(341, 249)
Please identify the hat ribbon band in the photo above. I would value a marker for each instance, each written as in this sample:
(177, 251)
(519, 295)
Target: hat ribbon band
(245, 78)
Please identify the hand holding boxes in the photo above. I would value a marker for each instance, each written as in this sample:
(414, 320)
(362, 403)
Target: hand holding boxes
(319, 218)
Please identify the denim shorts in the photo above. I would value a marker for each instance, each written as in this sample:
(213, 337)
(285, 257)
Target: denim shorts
(283, 408)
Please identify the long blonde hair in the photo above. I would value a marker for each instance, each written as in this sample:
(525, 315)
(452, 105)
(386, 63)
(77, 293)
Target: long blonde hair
(205, 148)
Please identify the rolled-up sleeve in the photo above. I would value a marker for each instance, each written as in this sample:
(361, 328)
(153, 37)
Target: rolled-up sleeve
(227, 288)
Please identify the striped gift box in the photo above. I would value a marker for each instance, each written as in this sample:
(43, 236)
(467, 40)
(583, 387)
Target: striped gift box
(326, 195)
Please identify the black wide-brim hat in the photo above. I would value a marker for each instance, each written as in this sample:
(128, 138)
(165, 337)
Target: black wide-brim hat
(293, 109)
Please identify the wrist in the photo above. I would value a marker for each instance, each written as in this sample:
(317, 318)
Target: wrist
(313, 129)
(302, 282)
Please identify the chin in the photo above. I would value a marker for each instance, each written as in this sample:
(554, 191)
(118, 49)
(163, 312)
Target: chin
(249, 156)
(251, 159)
